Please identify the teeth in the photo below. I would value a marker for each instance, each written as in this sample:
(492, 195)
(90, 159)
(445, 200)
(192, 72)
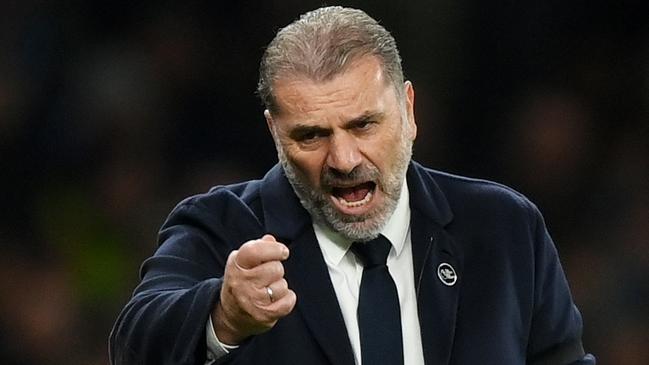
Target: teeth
(359, 203)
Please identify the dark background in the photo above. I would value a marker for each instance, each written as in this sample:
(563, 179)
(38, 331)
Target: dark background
(111, 112)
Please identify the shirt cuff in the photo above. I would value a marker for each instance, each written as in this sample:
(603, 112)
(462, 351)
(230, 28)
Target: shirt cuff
(215, 348)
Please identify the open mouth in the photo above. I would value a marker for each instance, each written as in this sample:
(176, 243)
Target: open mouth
(354, 196)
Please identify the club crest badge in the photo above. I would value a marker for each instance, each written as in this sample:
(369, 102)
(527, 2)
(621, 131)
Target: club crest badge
(446, 274)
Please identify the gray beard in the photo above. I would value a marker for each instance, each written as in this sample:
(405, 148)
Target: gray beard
(363, 227)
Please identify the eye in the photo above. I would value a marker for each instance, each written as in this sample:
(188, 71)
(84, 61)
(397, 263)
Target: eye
(364, 125)
(310, 136)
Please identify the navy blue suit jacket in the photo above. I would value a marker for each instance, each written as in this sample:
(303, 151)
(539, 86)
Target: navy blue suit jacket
(510, 305)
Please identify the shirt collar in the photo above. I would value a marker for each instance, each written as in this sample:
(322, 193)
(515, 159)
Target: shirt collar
(334, 246)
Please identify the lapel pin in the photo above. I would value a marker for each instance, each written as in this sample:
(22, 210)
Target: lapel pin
(446, 274)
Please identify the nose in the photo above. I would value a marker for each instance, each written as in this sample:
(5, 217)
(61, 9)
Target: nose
(344, 154)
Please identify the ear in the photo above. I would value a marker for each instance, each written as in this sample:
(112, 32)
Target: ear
(269, 120)
(410, 109)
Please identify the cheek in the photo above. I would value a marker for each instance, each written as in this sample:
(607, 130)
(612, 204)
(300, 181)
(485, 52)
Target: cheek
(386, 149)
(309, 164)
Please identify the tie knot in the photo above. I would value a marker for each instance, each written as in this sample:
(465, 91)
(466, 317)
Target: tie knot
(372, 253)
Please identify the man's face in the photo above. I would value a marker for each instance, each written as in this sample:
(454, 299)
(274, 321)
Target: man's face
(345, 145)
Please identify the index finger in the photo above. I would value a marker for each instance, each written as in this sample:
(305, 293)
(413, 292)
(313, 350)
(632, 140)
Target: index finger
(256, 252)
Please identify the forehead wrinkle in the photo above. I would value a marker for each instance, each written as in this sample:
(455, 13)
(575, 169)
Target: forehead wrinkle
(300, 98)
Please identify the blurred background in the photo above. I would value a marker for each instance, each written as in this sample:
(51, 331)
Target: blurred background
(111, 112)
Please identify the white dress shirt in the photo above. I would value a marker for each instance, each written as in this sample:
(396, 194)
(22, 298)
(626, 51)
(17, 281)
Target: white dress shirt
(346, 271)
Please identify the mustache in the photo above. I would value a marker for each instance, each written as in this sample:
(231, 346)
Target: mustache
(360, 174)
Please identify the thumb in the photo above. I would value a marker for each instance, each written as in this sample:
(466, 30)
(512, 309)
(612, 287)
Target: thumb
(268, 237)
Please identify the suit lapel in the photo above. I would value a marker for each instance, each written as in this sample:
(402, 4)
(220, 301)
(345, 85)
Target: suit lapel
(306, 270)
(307, 274)
(432, 246)
(436, 301)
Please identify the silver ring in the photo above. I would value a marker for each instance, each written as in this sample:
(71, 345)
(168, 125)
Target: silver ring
(270, 293)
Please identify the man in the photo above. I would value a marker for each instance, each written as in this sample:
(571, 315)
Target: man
(287, 269)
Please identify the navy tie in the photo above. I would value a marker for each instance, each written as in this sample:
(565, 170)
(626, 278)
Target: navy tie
(379, 317)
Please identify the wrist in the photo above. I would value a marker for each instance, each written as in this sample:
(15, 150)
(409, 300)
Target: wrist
(225, 331)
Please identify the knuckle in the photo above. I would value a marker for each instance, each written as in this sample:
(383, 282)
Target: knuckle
(292, 298)
(276, 269)
(280, 269)
(282, 284)
(286, 305)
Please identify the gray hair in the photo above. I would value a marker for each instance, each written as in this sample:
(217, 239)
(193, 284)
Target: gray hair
(321, 44)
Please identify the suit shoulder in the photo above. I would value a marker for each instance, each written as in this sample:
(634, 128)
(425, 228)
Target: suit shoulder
(228, 212)
(246, 193)
(221, 201)
(462, 191)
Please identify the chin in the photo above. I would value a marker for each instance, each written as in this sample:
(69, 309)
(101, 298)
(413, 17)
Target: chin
(363, 227)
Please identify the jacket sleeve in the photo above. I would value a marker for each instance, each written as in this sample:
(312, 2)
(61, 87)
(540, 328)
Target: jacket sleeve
(555, 335)
(164, 322)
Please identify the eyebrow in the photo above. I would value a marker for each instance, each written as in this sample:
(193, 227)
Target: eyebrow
(302, 130)
(363, 118)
